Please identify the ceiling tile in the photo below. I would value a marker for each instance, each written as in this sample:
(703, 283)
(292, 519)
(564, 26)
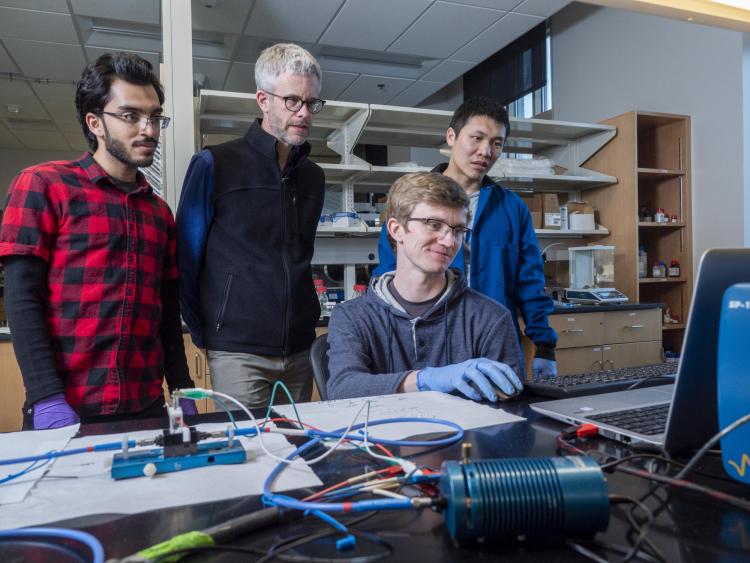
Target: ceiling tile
(415, 93)
(8, 140)
(41, 5)
(61, 110)
(495, 4)
(69, 126)
(215, 72)
(47, 60)
(55, 90)
(96, 52)
(13, 89)
(76, 140)
(142, 11)
(241, 78)
(543, 8)
(496, 37)
(41, 124)
(30, 108)
(291, 20)
(334, 83)
(368, 89)
(354, 24)
(39, 26)
(228, 16)
(6, 65)
(436, 34)
(49, 140)
(447, 71)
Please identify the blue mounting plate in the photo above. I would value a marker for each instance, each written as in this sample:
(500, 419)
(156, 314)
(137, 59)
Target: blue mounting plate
(215, 453)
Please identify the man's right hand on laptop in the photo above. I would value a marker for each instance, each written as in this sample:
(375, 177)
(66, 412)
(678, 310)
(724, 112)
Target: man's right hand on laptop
(477, 379)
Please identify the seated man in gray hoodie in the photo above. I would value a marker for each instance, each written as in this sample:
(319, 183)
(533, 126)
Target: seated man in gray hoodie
(420, 327)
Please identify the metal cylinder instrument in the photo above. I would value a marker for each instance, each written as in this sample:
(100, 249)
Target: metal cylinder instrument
(502, 499)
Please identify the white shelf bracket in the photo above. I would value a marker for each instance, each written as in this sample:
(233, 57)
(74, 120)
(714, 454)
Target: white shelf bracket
(573, 154)
(343, 140)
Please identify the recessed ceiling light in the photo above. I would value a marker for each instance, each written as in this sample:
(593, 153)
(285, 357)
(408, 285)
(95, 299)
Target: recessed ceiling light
(208, 3)
(13, 108)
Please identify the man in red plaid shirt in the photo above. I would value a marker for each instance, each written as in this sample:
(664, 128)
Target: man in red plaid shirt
(90, 268)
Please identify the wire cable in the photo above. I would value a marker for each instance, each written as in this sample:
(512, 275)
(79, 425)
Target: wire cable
(97, 551)
(708, 445)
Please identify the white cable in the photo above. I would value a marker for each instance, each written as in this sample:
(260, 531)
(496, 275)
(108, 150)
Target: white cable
(260, 433)
(386, 493)
(406, 465)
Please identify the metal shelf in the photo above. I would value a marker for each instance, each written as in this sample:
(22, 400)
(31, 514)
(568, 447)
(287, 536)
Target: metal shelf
(556, 183)
(568, 233)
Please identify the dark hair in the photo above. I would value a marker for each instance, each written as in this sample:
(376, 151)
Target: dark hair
(483, 107)
(92, 91)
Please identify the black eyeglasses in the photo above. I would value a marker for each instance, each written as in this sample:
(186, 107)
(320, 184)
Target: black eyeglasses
(441, 228)
(294, 103)
(132, 118)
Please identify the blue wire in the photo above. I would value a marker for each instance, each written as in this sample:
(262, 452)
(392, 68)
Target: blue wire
(76, 535)
(273, 499)
(28, 469)
(55, 454)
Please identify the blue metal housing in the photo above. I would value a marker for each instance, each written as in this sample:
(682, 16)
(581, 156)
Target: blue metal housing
(505, 498)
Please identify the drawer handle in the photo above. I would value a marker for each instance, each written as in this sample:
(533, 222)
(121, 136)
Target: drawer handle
(198, 374)
(571, 330)
(633, 326)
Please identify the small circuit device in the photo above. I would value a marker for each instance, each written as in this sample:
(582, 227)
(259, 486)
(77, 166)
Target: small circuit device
(178, 448)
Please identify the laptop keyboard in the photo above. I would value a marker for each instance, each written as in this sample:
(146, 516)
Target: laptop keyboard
(595, 382)
(649, 421)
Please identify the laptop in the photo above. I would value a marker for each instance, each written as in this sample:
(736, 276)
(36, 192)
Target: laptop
(680, 417)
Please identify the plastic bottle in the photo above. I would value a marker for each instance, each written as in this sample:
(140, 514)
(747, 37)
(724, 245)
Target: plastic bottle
(659, 270)
(323, 300)
(674, 269)
(642, 262)
(359, 290)
(660, 216)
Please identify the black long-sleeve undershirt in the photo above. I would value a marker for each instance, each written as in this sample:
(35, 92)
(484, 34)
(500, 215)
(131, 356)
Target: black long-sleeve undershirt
(26, 294)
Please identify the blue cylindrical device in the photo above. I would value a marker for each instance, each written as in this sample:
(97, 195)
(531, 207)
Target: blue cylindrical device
(501, 499)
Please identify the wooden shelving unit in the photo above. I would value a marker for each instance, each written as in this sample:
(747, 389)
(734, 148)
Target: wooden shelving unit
(650, 156)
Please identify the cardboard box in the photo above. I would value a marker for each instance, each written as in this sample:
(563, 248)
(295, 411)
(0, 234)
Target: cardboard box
(581, 216)
(532, 201)
(551, 210)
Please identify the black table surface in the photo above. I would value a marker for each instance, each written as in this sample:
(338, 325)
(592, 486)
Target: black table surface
(689, 527)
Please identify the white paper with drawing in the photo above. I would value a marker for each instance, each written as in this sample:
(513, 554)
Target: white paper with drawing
(329, 415)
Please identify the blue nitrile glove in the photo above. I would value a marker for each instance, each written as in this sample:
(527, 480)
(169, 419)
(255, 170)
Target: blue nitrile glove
(476, 379)
(188, 406)
(54, 412)
(543, 368)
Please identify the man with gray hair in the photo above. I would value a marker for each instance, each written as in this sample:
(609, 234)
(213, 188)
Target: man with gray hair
(246, 226)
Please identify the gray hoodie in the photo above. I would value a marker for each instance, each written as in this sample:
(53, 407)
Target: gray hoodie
(374, 343)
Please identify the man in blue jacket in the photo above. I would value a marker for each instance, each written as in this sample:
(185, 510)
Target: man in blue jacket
(503, 259)
(246, 227)
(420, 328)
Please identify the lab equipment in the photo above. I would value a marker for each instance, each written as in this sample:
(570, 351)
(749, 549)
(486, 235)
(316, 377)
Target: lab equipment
(592, 275)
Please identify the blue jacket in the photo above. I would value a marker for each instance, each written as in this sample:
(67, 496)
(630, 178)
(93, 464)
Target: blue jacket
(245, 238)
(374, 343)
(505, 261)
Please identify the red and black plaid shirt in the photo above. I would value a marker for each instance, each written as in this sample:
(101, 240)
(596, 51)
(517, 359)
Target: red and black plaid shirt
(108, 253)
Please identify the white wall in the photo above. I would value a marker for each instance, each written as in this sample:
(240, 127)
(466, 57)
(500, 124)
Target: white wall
(606, 62)
(12, 161)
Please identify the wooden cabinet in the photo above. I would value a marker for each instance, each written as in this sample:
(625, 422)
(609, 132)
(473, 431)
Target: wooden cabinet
(607, 340)
(650, 156)
(199, 372)
(13, 392)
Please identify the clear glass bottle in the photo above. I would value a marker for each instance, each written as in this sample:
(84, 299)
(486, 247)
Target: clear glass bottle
(642, 262)
(325, 310)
